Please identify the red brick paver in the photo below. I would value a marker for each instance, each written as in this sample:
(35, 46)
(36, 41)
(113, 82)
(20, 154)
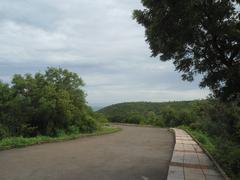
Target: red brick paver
(189, 162)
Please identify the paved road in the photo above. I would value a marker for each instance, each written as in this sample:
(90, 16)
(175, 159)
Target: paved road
(134, 153)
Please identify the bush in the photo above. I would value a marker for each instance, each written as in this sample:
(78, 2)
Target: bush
(59, 132)
(73, 130)
(196, 126)
(100, 118)
(3, 132)
(135, 118)
(227, 154)
(88, 124)
(233, 161)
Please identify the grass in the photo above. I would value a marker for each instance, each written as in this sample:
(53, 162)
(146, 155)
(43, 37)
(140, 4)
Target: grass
(17, 142)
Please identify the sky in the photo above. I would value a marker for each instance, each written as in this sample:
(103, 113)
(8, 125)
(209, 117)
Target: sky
(97, 39)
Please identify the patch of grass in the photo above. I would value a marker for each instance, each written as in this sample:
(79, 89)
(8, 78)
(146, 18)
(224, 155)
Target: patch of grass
(16, 142)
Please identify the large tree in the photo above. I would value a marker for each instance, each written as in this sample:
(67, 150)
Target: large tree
(200, 37)
(44, 104)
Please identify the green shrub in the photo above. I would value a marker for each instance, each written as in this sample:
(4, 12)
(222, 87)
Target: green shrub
(227, 154)
(73, 130)
(59, 132)
(159, 121)
(88, 124)
(3, 132)
(20, 141)
(135, 118)
(196, 126)
(233, 161)
(101, 118)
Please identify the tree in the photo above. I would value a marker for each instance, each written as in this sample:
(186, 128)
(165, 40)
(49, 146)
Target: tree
(151, 117)
(44, 104)
(200, 37)
(135, 118)
(5, 95)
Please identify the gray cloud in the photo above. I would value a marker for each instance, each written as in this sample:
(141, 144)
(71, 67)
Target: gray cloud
(97, 39)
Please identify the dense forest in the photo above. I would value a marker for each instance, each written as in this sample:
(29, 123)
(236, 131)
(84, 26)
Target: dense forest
(49, 104)
(216, 124)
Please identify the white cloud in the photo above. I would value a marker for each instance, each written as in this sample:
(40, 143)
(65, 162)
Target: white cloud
(97, 39)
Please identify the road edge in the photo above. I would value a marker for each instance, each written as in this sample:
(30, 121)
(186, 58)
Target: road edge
(98, 133)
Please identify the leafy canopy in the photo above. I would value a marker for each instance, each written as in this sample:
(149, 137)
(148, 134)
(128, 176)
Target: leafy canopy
(44, 104)
(200, 37)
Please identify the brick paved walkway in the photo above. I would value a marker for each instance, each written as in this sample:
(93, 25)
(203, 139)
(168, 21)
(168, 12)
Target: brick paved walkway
(189, 162)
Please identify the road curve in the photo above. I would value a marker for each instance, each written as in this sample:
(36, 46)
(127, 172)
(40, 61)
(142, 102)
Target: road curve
(134, 153)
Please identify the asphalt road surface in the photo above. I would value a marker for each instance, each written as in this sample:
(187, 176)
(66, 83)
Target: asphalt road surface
(141, 153)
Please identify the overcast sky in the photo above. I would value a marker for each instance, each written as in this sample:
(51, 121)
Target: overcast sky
(96, 39)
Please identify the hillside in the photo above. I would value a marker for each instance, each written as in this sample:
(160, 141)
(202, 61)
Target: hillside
(123, 111)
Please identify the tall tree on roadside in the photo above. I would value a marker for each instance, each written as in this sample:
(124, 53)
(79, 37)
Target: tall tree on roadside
(44, 104)
(200, 37)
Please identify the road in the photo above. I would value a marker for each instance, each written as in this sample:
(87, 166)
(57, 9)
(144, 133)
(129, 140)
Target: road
(133, 153)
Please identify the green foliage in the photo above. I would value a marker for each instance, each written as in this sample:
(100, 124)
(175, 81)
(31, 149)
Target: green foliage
(21, 141)
(100, 118)
(228, 155)
(88, 124)
(59, 133)
(73, 130)
(200, 37)
(160, 114)
(13, 142)
(135, 118)
(232, 161)
(44, 104)
(3, 132)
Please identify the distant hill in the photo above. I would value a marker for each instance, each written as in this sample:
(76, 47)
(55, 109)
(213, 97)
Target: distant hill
(120, 112)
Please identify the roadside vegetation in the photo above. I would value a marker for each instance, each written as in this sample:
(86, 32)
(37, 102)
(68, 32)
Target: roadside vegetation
(215, 124)
(20, 141)
(46, 107)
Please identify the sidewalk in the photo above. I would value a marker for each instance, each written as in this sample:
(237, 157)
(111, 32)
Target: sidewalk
(189, 162)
